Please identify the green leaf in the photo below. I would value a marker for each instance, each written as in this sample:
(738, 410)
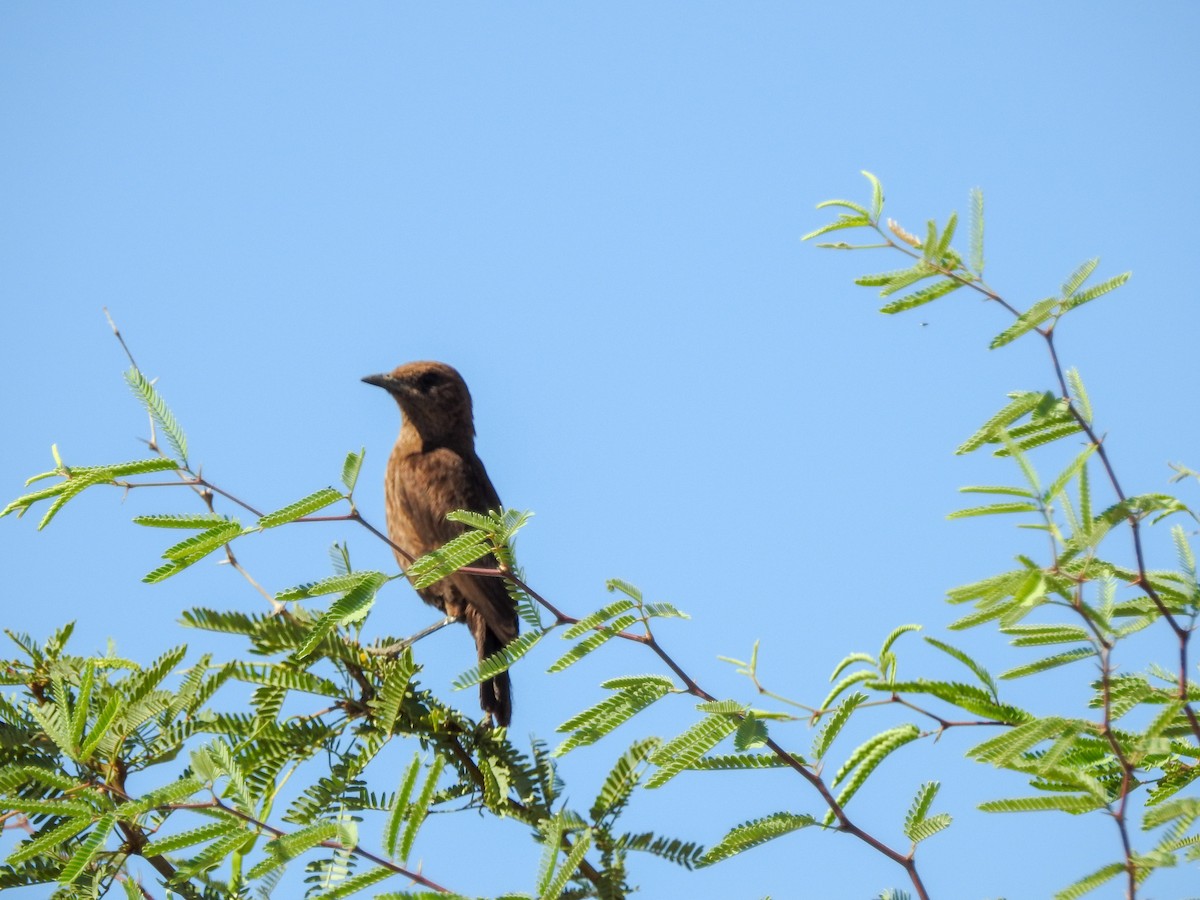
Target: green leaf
(172, 792)
(1098, 290)
(200, 545)
(867, 757)
(593, 620)
(58, 808)
(616, 584)
(923, 296)
(42, 476)
(1026, 322)
(214, 854)
(350, 607)
(285, 676)
(399, 808)
(751, 733)
(921, 803)
(873, 750)
(1079, 394)
(1176, 776)
(851, 679)
(885, 649)
(663, 610)
(12, 776)
(284, 848)
(334, 584)
(140, 684)
(851, 659)
(351, 467)
(739, 761)
(1029, 593)
(622, 779)
(397, 678)
(1002, 490)
(918, 824)
(929, 827)
(943, 246)
(650, 682)
(86, 851)
(199, 520)
(583, 840)
(1021, 404)
(883, 279)
(76, 480)
(134, 467)
(159, 412)
(48, 839)
(303, 507)
(598, 720)
(165, 571)
(1089, 883)
(684, 750)
(51, 718)
(1040, 436)
(837, 720)
(965, 696)
(420, 808)
(876, 195)
(71, 489)
(1079, 276)
(930, 245)
(980, 672)
(1060, 483)
(1074, 804)
(843, 245)
(22, 503)
(1050, 662)
(919, 272)
(845, 220)
(977, 230)
(463, 550)
(83, 699)
(757, 831)
(551, 832)
(993, 509)
(362, 880)
(1040, 635)
(500, 661)
(1010, 745)
(847, 204)
(588, 644)
(101, 727)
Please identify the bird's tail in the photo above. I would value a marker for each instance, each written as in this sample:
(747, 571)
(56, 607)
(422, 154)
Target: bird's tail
(495, 694)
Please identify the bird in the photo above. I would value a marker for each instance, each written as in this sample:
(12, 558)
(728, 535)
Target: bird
(434, 470)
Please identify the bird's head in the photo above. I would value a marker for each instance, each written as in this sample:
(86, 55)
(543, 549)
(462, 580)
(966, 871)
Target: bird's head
(434, 400)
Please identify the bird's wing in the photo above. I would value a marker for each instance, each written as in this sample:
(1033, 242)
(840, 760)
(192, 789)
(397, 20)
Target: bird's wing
(448, 482)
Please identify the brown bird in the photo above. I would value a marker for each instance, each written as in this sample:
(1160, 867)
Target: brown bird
(433, 470)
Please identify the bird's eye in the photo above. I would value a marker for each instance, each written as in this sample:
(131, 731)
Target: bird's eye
(427, 381)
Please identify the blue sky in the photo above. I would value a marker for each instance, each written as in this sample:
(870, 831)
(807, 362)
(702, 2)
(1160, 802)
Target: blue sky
(594, 212)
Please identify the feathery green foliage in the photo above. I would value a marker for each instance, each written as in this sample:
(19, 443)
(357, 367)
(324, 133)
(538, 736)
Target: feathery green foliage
(219, 797)
(685, 750)
(351, 467)
(305, 506)
(631, 697)
(835, 723)
(918, 824)
(500, 661)
(159, 412)
(756, 832)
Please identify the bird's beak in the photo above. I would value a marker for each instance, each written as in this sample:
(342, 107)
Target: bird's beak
(385, 381)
